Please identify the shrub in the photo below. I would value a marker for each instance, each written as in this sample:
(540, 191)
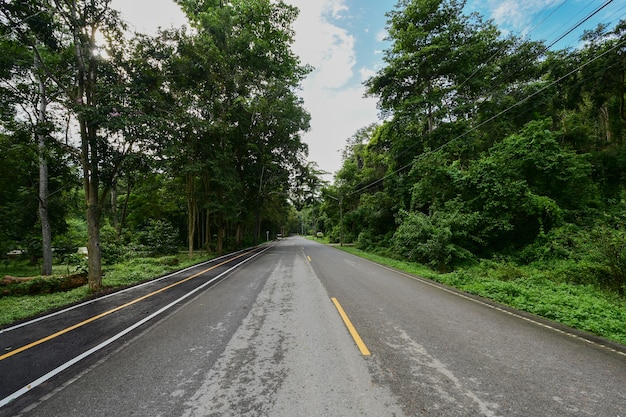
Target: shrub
(76, 263)
(435, 240)
(565, 242)
(170, 261)
(113, 248)
(611, 248)
(159, 237)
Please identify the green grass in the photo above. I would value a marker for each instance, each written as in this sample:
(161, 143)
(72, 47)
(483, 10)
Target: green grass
(17, 308)
(134, 271)
(532, 289)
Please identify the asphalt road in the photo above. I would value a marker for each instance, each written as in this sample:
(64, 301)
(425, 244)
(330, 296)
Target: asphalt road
(268, 340)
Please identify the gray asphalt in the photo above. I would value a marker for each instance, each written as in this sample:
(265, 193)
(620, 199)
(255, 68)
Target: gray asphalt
(268, 341)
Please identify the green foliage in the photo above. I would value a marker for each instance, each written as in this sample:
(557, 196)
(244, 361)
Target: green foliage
(438, 240)
(611, 248)
(159, 238)
(43, 285)
(112, 246)
(76, 263)
(564, 242)
(526, 185)
(583, 307)
(20, 307)
(13, 308)
(437, 180)
(451, 149)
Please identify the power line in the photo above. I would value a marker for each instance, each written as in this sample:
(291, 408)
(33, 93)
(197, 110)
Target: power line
(487, 120)
(543, 50)
(544, 19)
(577, 25)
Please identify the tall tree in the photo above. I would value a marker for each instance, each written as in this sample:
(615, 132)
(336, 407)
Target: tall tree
(25, 84)
(95, 85)
(443, 72)
(243, 118)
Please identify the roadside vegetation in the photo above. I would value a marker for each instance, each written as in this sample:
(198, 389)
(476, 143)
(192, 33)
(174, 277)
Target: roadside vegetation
(41, 295)
(197, 130)
(499, 166)
(549, 291)
(499, 169)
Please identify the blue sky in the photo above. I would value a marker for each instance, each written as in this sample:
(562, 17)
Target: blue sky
(350, 34)
(343, 41)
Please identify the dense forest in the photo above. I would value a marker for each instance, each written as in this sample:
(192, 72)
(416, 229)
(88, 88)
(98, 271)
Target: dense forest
(130, 144)
(491, 147)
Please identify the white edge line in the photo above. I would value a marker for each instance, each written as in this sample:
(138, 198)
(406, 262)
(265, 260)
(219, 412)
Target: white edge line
(65, 310)
(107, 342)
(442, 287)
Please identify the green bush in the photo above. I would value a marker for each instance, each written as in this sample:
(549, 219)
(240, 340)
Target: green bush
(611, 248)
(76, 263)
(437, 240)
(170, 261)
(526, 185)
(159, 238)
(564, 242)
(43, 285)
(112, 247)
(583, 272)
(503, 270)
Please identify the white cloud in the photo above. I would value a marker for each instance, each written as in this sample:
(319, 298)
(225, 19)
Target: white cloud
(335, 8)
(381, 35)
(328, 48)
(336, 104)
(366, 73)
(332, 93)
(146, 16)
(517, 14)
(336, 116)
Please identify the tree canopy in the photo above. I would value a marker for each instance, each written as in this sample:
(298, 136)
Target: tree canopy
(490, 144)
(207, 119)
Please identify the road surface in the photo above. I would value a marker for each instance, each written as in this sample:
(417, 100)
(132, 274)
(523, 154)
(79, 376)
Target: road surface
(270, 339)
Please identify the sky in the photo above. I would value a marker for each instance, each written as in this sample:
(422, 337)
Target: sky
(344, 40)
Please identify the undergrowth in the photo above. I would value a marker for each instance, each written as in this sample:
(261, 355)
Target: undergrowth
(130, 272)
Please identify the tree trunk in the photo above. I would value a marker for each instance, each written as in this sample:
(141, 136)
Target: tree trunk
(604, 117)
(122, 221)
(46, 234)
(220, 237)
(209, 237)
(257, 228)
(207, 218)
(91, 184)
(94, 250)
(86, 67)
(191, 212)
(114, 213)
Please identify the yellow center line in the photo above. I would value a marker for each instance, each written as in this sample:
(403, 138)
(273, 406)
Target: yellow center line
(118, 308)
(355, 335)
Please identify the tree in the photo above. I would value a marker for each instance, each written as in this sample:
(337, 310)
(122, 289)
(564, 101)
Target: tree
(526, 185)
(25, 84)
(95, 86)
(241, 116)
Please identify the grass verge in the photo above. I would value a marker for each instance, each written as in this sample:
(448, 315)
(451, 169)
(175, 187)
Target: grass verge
(581, 306)
(134, 271)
